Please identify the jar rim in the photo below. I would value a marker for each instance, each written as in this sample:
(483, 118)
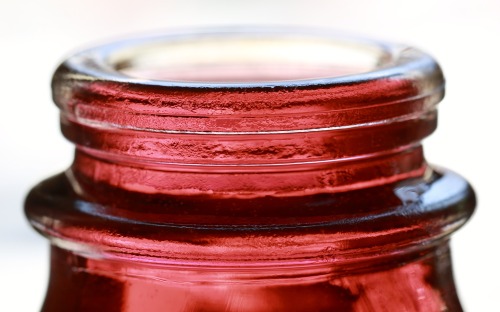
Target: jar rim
(395, 60)
(95, 96)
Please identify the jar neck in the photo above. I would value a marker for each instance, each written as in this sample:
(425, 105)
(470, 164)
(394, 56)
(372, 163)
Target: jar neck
(136, 130)
(252, 163)
(295, 179)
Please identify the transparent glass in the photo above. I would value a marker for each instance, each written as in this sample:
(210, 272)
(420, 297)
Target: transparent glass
(250, 170)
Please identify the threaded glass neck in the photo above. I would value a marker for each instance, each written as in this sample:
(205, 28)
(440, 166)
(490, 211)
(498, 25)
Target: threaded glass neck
(245, 101)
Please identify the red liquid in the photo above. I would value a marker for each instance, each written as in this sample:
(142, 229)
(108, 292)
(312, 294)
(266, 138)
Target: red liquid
(290, 198)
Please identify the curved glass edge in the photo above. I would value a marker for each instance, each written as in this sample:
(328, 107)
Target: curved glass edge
(445, 194)
(92, 65)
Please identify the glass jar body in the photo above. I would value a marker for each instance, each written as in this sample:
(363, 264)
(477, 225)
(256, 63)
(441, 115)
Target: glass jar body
(257, 195)
(80, 283)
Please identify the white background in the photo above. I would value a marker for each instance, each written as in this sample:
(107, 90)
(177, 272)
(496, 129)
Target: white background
(36, 34)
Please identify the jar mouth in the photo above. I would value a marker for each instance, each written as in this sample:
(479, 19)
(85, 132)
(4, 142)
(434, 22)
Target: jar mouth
(243, 57)
(246, 58)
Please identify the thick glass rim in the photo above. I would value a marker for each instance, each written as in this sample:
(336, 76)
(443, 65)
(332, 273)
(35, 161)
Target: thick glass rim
(94, 64)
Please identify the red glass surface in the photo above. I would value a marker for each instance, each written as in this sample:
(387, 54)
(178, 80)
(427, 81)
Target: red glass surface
(245, 190)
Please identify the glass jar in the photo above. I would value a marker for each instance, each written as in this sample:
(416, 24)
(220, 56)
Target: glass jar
(250, 170)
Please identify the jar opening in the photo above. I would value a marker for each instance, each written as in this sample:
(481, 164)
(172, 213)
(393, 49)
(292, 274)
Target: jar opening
(247, 58)
(253, 59)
